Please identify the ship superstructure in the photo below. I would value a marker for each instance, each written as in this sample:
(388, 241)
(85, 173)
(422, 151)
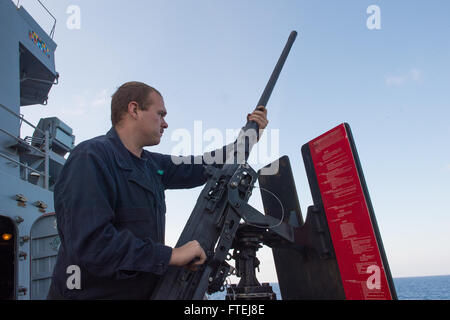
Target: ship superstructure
(29, 166)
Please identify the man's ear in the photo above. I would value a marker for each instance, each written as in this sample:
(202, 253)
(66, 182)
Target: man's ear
(132, 109)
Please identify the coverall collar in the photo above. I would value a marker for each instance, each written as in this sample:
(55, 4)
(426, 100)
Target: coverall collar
(124, 160)
(121, 153)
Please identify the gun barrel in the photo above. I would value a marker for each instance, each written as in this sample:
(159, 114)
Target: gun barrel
(276, 72)
(214, 220)
(251, 128)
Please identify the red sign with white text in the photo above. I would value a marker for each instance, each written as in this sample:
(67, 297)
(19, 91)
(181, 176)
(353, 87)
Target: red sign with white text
(357, 252)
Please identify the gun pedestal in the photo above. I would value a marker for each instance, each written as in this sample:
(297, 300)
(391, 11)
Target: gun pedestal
(247, 241)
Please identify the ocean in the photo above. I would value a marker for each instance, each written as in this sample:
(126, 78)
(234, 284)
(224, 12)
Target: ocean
(411, 288)
(423, 288)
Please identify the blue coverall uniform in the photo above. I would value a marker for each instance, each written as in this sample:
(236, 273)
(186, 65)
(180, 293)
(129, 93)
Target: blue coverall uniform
(110, 210)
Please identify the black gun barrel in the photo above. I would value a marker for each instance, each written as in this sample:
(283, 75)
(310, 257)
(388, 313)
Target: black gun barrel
(276, 72)
(251, 128)
(213, 220)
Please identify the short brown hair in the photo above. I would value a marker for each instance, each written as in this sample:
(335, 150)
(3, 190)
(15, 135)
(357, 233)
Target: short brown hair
(130, 91)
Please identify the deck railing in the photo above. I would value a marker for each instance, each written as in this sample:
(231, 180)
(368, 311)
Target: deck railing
(52, 32)
(43, 151)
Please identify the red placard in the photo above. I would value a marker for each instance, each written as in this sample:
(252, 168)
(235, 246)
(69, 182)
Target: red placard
(355, 244)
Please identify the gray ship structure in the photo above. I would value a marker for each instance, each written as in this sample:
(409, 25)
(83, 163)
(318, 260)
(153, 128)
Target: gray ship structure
(29, 166)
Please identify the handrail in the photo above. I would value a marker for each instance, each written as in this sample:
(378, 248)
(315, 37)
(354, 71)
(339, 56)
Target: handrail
(55, 82)
(20, 163)
(22, 140)
(21, 118)
(52, 32)
(46, 152)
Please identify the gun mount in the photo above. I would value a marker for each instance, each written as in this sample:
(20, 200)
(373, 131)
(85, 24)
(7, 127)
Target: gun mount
(337, 253)
(218, 212)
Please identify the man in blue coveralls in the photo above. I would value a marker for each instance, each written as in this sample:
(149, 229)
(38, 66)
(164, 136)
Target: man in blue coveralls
(110, 205)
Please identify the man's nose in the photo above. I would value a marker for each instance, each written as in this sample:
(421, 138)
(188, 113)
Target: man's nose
(165, 125)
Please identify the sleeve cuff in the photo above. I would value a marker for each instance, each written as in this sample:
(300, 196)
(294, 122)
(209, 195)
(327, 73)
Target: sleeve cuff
(162, 257)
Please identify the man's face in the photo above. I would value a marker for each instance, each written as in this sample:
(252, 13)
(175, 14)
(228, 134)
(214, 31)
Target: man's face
(151, 123)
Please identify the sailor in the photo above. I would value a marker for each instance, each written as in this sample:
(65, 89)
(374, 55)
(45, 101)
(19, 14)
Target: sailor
(110, 204)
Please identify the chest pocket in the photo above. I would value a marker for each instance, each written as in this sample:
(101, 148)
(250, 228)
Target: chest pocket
(141, 207)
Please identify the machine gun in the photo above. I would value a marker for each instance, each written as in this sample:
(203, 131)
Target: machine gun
(221, 206)
(336, 253)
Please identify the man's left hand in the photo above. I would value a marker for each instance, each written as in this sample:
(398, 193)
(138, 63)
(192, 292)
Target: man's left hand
(260, 117)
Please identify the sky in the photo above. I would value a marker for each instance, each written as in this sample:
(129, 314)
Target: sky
(387, 77)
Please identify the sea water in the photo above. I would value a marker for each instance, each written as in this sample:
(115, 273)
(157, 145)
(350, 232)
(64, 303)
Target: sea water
(423, 288)
(411, 288)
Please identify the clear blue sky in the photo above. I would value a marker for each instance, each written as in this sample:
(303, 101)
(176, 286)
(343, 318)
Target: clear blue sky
(212, 59)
